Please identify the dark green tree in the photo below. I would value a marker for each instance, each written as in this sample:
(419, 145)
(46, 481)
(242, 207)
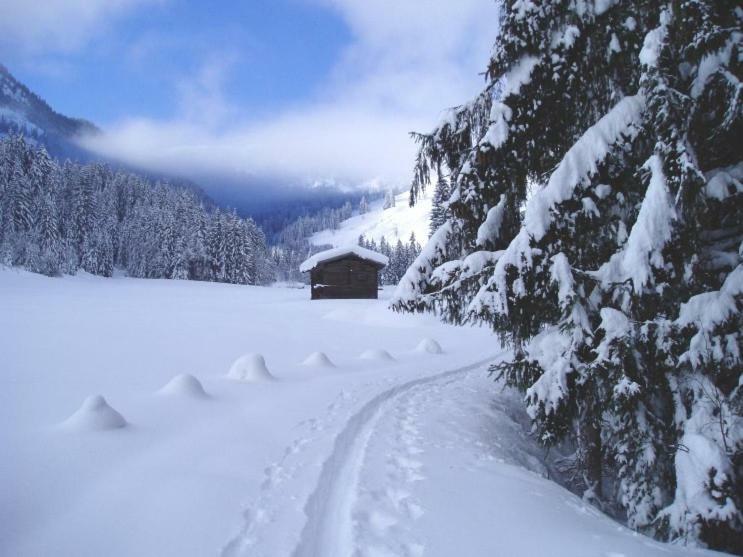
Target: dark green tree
(595, 223)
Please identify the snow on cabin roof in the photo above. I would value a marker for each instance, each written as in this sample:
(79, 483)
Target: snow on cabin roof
(338, 253)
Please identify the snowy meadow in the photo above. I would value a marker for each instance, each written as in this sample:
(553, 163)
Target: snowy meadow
(367, 432)
(546, 197)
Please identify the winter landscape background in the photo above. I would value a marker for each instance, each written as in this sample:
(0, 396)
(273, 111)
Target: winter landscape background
(553, 366)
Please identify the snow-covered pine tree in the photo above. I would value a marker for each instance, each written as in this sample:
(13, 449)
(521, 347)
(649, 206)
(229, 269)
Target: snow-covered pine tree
(346, 211)
(259, 268)
(441, 194)
(46, 224)
(385, 277)
(389, 199)
(595, 224)
(265, 270)
(363, 206)
(413, 249)
(19, 194)
(398, 261)
(216, 247)
(384, 246)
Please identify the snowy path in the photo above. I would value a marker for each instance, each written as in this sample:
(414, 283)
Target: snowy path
(329, 528)
(434, 466)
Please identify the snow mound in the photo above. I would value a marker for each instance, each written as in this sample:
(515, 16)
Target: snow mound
(184, 385)
(318, 359)
(251, 368)
(429, 346)
(377, 354)
(94, 415)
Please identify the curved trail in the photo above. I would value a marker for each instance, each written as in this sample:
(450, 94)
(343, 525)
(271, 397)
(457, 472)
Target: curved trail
(328, 531)
(439, 465)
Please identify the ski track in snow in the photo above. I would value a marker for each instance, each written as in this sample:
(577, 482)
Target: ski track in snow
(387, 509)
(278, 476)
(372, 494)
(329, 530)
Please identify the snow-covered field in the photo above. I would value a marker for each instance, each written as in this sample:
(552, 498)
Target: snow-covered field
(395, 223)
(404, 451)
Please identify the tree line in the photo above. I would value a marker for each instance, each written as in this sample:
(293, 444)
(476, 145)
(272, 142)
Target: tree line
(58, 218)
(401, 256)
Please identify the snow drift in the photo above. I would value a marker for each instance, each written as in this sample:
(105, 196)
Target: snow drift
(250, 368)
(318, 359)
(429, 346)
(378, 355)
(184, 385)
(95, 414)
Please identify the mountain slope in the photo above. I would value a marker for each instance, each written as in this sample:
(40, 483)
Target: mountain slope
(22, 111)
(393, 223)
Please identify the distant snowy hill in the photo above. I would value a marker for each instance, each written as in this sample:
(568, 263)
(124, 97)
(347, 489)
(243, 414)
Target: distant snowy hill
(22, 111)
(392, 223)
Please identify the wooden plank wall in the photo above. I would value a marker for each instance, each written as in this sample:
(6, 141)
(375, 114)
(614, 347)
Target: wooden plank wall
(349, 277)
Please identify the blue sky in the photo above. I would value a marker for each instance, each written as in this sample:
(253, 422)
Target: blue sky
(302, 90)
(277, 51)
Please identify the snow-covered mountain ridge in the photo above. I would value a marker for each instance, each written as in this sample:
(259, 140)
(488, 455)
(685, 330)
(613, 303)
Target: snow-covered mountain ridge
(22, 111)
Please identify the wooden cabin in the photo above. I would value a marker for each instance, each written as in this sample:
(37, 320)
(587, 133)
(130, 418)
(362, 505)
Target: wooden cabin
(351, 272)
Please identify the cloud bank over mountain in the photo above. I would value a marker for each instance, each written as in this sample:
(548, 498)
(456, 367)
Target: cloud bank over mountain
(405, 61)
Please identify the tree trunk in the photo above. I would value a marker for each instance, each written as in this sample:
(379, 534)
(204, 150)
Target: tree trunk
(589, 447)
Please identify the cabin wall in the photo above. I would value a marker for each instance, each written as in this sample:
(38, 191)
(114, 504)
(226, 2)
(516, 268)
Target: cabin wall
(344, 278)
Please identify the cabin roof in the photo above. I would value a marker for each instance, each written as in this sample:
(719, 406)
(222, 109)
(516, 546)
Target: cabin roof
(339, 253)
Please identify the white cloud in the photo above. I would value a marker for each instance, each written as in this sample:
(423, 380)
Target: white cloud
(201, 98)
(331, 141)
(39, 26)
(408, 60)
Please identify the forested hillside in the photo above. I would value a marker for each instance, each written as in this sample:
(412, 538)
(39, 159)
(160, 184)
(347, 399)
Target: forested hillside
(595, 223)
(400, 256)
(24, 112)
(58, 218)
(291, 245)
(294, 242)
(391, 218)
